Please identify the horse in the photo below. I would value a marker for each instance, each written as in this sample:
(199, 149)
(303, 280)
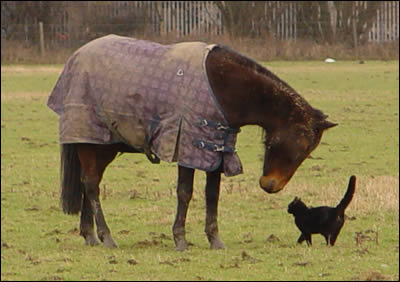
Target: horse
(245, 92)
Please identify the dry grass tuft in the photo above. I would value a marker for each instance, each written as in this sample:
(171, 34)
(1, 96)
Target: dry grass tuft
(28, 70)
(23, 95)
(377, 193)
(263, 49)
(373, 193)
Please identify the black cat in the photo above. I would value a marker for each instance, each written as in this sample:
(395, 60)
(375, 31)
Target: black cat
(324, 220)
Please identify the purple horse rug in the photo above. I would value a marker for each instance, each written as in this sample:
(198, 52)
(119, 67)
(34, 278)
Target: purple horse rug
(155, 98)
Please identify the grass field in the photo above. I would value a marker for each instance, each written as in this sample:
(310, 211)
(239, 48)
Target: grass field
(39, 242)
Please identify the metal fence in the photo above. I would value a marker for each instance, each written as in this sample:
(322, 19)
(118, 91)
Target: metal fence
(70, 23)
(386, 24)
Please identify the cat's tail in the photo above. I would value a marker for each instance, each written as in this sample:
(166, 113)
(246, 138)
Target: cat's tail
(348, 196)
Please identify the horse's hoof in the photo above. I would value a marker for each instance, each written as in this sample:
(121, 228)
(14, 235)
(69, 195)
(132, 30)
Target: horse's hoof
(91, 240)
(181, 246)
(217, 245)
(109, 243)
(92, 243)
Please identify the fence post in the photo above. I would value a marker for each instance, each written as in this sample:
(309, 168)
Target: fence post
(41, 39)
(355, 35)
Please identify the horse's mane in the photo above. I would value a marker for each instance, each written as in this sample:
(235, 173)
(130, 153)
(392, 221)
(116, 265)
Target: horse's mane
(237, 58)
(285, 89)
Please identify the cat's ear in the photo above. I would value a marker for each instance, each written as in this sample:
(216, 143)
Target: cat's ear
(296, 199)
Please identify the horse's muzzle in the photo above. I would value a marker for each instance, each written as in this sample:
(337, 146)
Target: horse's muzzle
(271, 185)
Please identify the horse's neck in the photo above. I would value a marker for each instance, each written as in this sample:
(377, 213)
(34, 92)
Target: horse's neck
(249, 97)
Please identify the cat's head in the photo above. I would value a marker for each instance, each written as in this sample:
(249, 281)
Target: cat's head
(296, 205)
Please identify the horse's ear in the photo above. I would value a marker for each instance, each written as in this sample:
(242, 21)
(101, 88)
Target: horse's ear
(325, 124)
(319, 115)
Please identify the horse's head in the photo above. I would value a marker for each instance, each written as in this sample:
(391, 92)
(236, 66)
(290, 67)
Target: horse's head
(286, 149)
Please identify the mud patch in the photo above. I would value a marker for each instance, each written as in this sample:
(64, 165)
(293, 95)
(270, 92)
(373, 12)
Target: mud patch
(272, 239)
(156, 240)
(374, 276)
(302, 263)
(366, 236)
(244, 259)
(174, 262)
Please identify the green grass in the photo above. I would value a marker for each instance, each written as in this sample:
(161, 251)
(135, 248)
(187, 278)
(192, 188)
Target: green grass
(39, 242)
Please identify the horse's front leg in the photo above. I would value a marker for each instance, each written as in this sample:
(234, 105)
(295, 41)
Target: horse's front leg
(212, 197)
(184, 194)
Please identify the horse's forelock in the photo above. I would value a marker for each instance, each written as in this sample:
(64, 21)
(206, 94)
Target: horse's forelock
(319, 115)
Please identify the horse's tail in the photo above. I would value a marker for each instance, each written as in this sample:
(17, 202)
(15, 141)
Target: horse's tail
(71, 185)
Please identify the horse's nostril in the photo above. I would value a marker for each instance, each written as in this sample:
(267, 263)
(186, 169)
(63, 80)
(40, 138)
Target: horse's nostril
(268, 185)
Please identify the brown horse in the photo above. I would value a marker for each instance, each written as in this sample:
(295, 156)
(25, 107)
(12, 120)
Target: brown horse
(248, 94)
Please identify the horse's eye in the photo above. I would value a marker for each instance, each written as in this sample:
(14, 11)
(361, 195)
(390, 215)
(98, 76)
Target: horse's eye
(267, 144)
(317, 130)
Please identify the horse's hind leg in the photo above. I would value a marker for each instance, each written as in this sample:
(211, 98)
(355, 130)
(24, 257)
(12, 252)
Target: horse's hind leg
(93, 163)
(87, 224)
(212, 196)
(184, 193)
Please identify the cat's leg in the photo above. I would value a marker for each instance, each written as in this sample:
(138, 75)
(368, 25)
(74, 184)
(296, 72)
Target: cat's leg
(327, 238)
(333, 237)
(308, 239)
(301, 238)
(335, 232)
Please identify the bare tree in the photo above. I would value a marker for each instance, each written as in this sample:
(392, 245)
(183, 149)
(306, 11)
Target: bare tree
(23, 18)
(336, 21)
(237, 17)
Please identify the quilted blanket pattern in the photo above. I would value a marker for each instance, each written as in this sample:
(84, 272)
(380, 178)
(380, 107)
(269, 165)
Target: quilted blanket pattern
(150, 96)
